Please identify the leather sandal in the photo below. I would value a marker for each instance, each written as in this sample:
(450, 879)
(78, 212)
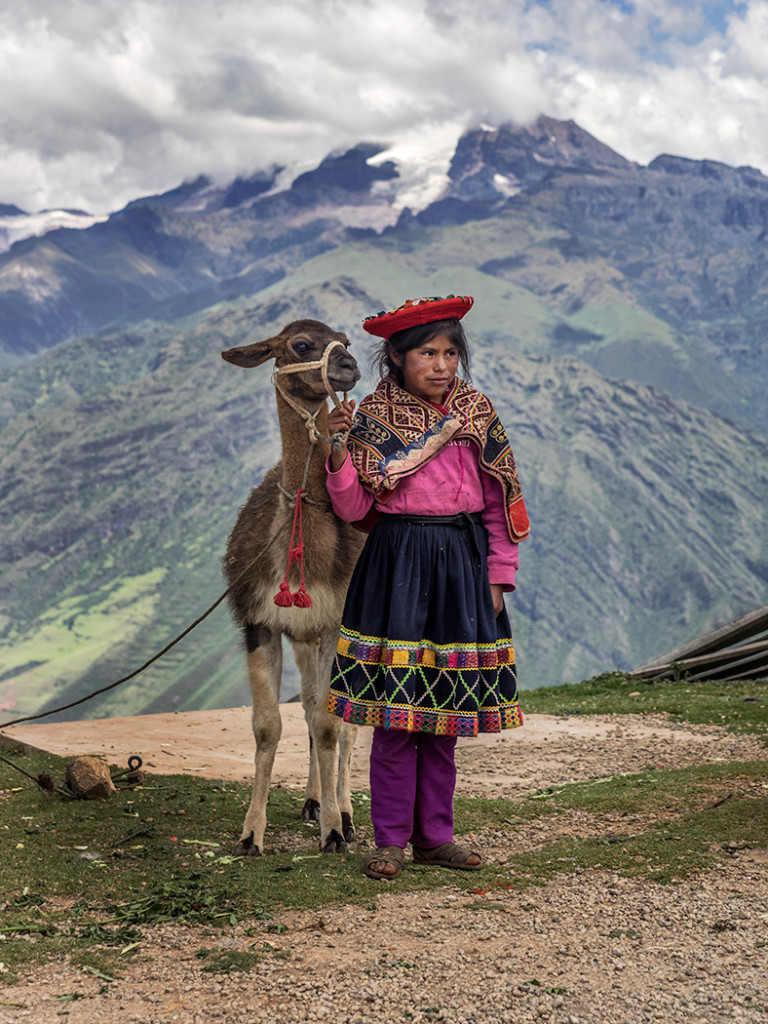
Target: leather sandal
(449, 855)
(393, 855)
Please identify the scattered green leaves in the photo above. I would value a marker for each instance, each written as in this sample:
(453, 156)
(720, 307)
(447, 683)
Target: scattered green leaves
(185, 897)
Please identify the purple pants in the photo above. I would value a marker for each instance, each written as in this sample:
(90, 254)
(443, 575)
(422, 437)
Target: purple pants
(413, 776)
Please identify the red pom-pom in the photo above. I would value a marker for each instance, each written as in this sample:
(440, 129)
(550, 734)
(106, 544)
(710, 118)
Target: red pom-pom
(302, 599)
(284, 598)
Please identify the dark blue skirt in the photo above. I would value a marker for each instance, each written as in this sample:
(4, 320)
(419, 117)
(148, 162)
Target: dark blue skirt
(420, 648)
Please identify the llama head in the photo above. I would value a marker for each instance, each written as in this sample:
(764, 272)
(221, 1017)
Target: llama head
(303, 341)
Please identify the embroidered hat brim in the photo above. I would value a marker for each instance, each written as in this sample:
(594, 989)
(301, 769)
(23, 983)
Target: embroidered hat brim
(415, 312)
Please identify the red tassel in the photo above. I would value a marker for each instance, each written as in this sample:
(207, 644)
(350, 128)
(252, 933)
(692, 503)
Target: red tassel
(284, 597)
(301, 599)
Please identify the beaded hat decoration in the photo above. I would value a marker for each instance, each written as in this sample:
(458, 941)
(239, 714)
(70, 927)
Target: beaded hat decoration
(415, 312)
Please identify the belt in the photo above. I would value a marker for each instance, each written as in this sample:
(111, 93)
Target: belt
(470, 524)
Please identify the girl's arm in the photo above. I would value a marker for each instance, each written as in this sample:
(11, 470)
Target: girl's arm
(503, 558)
(349, 498)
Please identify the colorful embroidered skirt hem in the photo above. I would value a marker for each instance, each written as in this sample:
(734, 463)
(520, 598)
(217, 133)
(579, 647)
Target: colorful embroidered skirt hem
(441, 723)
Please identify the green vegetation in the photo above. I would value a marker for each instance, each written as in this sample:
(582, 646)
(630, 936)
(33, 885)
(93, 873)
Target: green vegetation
(82, 628)
(128, 455)
(740, 706)
(85, 880)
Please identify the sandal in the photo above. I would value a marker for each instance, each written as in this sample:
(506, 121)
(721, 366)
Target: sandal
(393, 855)
(449, 855)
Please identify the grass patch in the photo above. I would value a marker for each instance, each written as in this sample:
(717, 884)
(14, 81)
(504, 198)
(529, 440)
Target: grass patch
(227, 961)
(661, 792)
(666, 852)
(739, 706)
(77, 632)
(683, 821)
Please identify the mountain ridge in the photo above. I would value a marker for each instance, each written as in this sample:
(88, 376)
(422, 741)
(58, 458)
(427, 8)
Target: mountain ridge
(681, 240)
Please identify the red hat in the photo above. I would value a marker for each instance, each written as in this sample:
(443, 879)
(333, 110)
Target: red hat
(415, 312)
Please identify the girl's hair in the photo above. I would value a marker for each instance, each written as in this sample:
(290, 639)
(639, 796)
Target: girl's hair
(414, 337)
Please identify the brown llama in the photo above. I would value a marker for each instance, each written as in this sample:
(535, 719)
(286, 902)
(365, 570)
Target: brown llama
(311, 361)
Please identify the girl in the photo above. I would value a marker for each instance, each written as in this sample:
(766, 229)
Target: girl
(425, 653)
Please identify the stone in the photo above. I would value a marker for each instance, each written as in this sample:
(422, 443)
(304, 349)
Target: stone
(89, 778)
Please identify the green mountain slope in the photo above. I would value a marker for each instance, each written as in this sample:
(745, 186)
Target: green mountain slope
(648, 513)
(127, 455)
(539, 286)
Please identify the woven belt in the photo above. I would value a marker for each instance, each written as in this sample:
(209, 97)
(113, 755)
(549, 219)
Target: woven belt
(470, 524)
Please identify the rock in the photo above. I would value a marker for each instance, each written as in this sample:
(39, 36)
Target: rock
(89, 778)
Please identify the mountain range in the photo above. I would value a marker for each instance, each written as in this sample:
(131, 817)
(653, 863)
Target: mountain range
(618, 326)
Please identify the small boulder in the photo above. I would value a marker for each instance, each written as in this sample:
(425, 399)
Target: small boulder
(89, 778)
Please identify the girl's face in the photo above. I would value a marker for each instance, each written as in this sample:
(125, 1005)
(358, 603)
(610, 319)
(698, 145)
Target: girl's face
(429, 370)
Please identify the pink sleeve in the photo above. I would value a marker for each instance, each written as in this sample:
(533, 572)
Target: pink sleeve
(503, 556)
(349, 498)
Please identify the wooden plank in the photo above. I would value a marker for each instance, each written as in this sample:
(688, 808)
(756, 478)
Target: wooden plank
(758, 669)
(750, 674)
(754, 666)
(713, 660)
(734, 632)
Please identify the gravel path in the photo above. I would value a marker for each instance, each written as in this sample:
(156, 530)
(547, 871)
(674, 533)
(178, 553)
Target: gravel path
(589, 948)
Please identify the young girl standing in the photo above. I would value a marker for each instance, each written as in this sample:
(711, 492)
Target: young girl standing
(425, 653)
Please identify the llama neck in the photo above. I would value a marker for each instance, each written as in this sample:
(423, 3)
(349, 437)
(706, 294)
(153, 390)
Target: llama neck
(296, 445)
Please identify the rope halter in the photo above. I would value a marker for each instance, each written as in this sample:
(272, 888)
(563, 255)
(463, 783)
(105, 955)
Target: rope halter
(284, 598)
(310, 418)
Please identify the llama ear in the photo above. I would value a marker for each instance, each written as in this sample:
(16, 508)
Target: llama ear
(249, 355)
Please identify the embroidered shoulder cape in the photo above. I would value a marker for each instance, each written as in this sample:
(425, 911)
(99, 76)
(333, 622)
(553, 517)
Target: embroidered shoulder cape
(394, 434)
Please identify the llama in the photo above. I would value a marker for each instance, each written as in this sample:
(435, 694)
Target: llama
(311, 361)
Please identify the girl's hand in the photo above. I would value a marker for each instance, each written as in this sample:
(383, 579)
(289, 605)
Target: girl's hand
(340, 417)
(339, 421)
(497, 593)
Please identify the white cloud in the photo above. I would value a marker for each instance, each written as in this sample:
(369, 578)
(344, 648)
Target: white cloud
(747, 53)
(103, 101)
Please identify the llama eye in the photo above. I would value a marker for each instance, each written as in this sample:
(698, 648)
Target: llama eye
(301, 348)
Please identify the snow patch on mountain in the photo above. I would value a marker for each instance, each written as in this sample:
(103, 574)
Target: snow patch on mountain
(18, 226)
(423, 158)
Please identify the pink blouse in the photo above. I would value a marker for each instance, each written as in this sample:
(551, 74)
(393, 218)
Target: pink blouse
(451, 482)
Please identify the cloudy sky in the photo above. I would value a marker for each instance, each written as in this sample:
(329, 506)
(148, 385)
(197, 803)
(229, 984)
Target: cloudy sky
(102, 101)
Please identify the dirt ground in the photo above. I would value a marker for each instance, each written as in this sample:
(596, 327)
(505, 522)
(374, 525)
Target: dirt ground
(589, 948)
(547, 750)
